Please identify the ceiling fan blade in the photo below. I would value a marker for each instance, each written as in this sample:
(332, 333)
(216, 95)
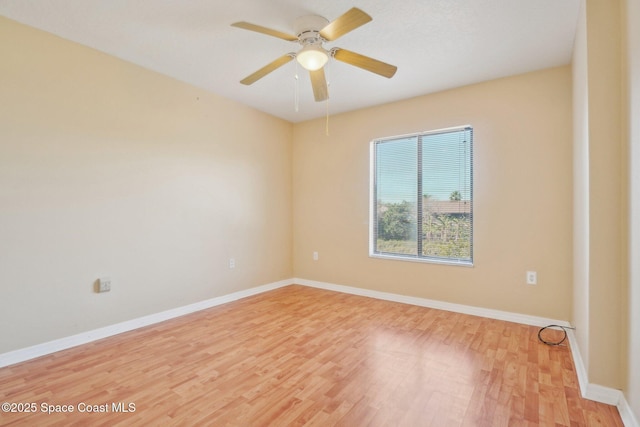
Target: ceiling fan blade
(319, 84)
(267, 69)
(364, 62)
(349, 21)
(264, 30)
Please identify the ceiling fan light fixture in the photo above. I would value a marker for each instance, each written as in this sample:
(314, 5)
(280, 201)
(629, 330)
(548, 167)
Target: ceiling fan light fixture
(312, 57)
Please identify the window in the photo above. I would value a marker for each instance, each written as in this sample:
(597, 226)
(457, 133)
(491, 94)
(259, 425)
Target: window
(422, 196)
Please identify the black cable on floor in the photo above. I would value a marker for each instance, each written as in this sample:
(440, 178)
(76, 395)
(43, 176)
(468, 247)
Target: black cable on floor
(564, 337)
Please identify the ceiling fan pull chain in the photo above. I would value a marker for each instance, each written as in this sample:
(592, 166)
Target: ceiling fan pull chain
(296, 91)
(326, 126)
(328, 72)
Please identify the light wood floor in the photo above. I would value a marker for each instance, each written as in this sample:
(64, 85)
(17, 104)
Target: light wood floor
(304, 356)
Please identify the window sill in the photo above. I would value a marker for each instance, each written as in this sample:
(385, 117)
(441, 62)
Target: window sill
(422, 260)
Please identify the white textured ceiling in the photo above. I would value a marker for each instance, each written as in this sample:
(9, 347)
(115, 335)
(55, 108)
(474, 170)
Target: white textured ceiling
(436, 44)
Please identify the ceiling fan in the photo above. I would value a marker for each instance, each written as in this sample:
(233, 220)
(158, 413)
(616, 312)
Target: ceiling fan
(312, 32)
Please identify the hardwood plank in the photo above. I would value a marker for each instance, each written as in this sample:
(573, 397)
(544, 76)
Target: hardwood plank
(302, 356)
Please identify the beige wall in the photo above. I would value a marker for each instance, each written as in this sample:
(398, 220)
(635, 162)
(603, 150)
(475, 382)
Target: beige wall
(107, 169)
(606, 223)
(580, 317)
(632, 102)
(600, 164)
(522, 195)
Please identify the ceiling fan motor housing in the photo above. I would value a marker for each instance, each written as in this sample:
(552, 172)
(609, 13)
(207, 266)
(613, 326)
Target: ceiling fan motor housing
(308, 28)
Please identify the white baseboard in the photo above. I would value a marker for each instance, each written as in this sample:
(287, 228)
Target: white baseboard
(627, 415)
(524, 319)
(596, 392)
(43, 349)
(589, 391)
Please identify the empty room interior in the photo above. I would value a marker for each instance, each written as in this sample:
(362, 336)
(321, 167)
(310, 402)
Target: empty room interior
(179, 246)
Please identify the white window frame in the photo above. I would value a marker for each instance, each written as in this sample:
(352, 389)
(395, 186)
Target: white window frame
(373, 203)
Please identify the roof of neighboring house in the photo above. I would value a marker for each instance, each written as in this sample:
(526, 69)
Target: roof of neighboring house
(447, 206)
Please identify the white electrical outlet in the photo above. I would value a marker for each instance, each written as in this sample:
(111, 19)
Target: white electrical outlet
(532, 278)
(104, 284)
(232, 263)
(315, 256)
